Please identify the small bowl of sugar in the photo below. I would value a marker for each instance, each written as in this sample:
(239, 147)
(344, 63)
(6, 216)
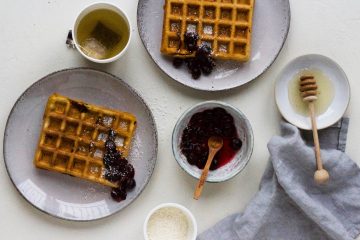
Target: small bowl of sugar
(170, 221)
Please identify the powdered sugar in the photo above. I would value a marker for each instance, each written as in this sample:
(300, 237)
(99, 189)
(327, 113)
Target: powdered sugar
(168, 223)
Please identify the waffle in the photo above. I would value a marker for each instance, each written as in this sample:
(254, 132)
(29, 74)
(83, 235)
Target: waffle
(224, 25)
(73, 135)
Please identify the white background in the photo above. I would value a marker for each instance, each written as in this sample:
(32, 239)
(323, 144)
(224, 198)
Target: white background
(32, 36)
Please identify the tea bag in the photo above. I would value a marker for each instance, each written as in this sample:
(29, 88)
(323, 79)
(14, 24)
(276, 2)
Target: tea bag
(100, 42)
(93, 48)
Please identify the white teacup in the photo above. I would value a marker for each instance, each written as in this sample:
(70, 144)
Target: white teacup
(94, 27)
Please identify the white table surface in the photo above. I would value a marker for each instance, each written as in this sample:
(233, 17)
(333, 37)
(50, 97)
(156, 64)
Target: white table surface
(32, 35)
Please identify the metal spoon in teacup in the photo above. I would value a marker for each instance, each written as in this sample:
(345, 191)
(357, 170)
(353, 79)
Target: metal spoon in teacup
(215, 144)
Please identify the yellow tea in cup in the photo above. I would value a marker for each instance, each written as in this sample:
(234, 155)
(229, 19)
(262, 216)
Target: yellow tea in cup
(102, 32)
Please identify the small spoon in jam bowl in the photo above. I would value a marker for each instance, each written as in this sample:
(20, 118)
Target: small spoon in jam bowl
(215, 144)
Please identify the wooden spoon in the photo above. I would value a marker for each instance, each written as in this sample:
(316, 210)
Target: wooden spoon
(215, 144)
(308, 89)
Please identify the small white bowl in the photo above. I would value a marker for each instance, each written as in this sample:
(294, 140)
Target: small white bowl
(97, 6)
(335, 74)
(239, 161)
(192, 226)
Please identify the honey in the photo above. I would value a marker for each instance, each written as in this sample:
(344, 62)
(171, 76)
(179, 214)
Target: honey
(325, 92)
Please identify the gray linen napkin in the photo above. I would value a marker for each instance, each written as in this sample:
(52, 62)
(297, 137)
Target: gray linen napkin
(289, 205)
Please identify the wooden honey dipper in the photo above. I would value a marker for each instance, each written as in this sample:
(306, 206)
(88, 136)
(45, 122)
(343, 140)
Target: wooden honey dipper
(308, 89)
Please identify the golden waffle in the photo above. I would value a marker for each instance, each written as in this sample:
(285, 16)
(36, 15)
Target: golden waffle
(224, 25)
(73, 136)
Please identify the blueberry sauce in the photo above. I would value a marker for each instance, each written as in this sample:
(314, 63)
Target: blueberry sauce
(202, 125)
(117, 169)
(202, 63)
(190, 41)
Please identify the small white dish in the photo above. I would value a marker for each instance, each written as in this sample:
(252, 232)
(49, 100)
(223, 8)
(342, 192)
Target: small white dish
(339, 83)
(237, 163)
(166, 210)
(98, 6)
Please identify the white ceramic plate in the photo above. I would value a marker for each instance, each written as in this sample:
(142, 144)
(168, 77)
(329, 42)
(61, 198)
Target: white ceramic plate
(270, 28)
(61, 195)
(339, 82)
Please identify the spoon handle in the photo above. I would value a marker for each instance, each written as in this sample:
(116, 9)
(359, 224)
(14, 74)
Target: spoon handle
(319, 164)
(204, 174)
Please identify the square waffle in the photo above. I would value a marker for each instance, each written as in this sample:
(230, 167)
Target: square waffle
(224, 25)
(73, 135)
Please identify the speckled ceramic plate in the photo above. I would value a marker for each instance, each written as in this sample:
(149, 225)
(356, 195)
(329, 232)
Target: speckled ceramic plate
(61, 195)
(270, 28)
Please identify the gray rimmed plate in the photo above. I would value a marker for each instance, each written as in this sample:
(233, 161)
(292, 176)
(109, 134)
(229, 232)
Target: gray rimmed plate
(61, 195)
(270, 29)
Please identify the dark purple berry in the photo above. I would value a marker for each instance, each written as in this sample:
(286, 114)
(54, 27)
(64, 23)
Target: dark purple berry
(194, 68)
(118, 194)
(177, 62)
(192, 63)
(203, 56)
(204, 50)
(131, 183)
(111, 159)
(236, 143)
(227, 118)
(190, 41)
(113, 173)
(112, 134)
(218, 132)
(122, 161)
(229, 130)
(110, 146)
(108, 161)
(200, 164)
(206, 70)
(130, 171)
(214, 164)
(192, 159)
(195, 73)
(123, 180)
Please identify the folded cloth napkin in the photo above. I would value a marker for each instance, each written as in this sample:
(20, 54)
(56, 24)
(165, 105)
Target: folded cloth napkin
(289, 205)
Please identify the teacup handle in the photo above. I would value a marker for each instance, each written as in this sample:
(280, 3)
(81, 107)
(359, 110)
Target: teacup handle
(69, 40)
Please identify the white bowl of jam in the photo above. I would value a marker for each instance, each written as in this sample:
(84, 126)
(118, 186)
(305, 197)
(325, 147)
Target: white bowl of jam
(213, 118)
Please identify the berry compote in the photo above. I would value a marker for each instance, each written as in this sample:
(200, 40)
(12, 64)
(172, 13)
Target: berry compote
(117, 169)
(203, 125)
(203, 62)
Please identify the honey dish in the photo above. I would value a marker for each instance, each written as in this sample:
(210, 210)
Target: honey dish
(333, 91)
